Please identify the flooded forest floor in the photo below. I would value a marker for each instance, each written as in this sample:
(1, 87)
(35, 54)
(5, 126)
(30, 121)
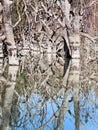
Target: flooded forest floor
(49, 65)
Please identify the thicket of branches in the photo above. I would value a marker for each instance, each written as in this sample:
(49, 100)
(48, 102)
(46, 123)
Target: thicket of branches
(44, 25)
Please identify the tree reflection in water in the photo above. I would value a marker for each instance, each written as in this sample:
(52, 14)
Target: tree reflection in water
(52, 93)
(7, 86)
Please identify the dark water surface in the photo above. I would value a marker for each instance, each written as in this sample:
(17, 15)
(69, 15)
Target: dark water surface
(49, 93)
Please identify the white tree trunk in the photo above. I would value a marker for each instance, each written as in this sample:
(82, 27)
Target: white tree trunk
(12, 51)
(7, 101)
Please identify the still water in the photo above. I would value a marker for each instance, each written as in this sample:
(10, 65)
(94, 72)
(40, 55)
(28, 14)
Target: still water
(49, 92)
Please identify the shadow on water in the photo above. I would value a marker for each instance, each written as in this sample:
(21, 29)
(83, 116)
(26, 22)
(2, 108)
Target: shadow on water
(51, 93)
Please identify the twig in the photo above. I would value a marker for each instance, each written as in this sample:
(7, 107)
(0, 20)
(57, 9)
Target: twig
(25, 10)
(88, 36)
(19, 17)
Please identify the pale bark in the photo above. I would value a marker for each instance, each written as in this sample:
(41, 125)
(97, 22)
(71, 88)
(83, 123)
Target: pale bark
(12, 50)
(2, 37)
(7, 101)
(74, 82)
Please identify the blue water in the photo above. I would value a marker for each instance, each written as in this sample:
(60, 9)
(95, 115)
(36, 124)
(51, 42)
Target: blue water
(34, 116)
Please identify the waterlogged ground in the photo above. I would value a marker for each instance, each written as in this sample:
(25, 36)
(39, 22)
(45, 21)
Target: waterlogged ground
(49, 92)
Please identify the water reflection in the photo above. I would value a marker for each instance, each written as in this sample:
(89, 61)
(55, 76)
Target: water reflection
(7, 86)
(51, 93)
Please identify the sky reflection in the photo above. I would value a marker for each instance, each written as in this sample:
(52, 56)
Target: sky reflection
(48, 100)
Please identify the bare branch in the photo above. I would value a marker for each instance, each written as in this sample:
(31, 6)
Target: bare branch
(19, 16)
(88, 36)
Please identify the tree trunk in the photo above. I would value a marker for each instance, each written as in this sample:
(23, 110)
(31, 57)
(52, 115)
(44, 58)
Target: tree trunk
(8, 97)
(12, 51)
